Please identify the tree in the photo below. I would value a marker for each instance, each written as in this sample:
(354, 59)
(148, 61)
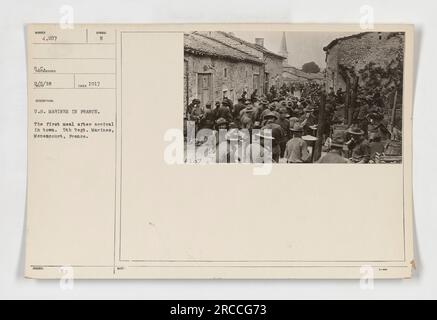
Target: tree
(311, 67)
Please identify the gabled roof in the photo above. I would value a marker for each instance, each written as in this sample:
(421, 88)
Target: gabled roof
(252, 45)
(358, 35)
(299, 73)
(336, 41)
(202, 45)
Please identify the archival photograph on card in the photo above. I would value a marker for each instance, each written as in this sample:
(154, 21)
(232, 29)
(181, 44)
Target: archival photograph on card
(118, 190)
(293, 97)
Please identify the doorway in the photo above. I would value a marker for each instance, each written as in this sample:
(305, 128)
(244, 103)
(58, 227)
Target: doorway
(204, 88)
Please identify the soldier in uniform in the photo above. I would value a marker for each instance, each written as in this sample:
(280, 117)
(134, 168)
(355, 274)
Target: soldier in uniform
(277, 133)
(360, 116)
(228, 103)
(284, 122)
(261, 150)
(358, 145)
(191, 106)
(208, 118)
(237, 109)
(247, 116)
(223, 111)
(263, 106)
(334, 155)
(309, 120)
(222, 145)
(197, 115)
(296, 150)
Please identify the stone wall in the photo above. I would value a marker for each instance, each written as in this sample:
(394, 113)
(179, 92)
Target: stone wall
(273, 64)
(237, 78)
(333, 77)
(379, 49)
(274, 67)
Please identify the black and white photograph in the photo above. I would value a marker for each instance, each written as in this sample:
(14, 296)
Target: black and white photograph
(293, 97)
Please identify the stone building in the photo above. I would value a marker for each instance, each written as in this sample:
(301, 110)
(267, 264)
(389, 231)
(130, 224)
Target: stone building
(273, 62)
(214, 70)
(291, 75)
(368, 67)
(351, 56)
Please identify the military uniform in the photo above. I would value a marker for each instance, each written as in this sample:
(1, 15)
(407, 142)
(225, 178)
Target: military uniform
(278, 135)
(361, 152)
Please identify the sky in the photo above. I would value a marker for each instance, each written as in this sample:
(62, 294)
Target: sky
(302, 47)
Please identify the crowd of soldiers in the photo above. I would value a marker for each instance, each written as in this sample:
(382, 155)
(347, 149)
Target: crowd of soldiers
(373, 134)
(291, 117)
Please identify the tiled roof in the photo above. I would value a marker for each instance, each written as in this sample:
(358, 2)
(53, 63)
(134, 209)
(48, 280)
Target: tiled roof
(252, 45)
(336, 41)
(299, 73)
(202, 45)
(358, 35)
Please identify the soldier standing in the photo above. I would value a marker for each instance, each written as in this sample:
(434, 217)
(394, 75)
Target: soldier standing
(296, 150)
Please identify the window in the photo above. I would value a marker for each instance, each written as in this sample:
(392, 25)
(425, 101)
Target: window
(225, 72)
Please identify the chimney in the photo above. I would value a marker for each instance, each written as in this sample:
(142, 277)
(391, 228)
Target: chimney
(259, 42)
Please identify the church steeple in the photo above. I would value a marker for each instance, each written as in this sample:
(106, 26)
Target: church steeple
(283, 50)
